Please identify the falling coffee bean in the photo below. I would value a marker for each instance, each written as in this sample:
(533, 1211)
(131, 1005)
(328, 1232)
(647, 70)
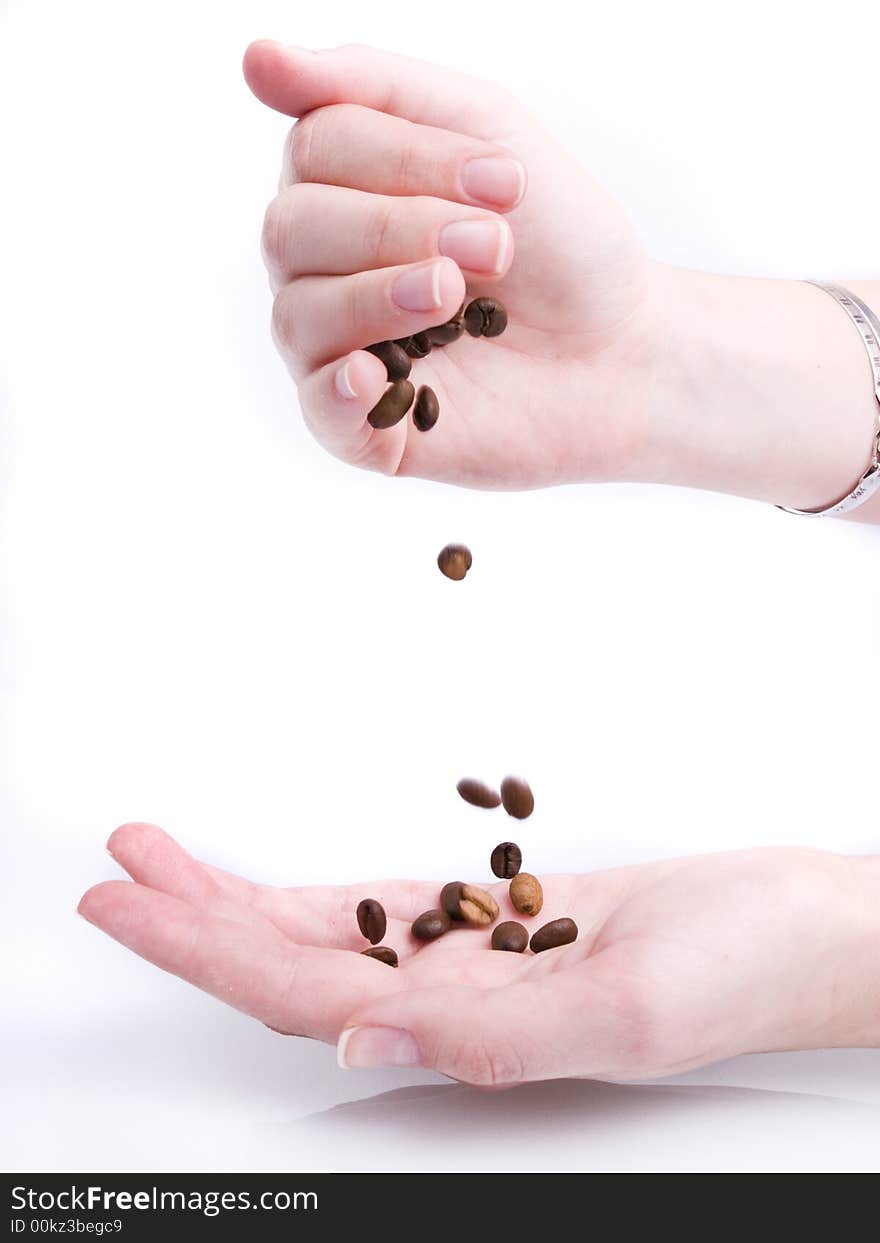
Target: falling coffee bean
(454, 561)
(392, 405)
(418, 345)
(397, 362)
(477, 793)
(382, 953)
(371, 920)
(510, 936)
(431, 925)
(526, 894)
(557, 932)
(506, 860)
(485, 317)
(517, 797)
(426, 411)
(468, 904)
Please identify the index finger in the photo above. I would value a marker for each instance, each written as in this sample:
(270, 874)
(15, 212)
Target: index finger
(295, 80)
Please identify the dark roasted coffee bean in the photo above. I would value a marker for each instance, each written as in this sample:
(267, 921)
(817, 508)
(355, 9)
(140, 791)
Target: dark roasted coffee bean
(454, 561)
(477, 793)
(426, 411)
(397, 362)
(557, 932)
(445, 334)
(517, 797)
(485, 317)
(371, 920)
(431, 925)
(526, 894)
(468, 904)
(392, 405)
(404, 343)
(382, 953)
(506, 860)
(418, 345)
(510, 936)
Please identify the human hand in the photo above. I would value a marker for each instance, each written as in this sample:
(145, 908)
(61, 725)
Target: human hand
(377, 184)
(678, 963)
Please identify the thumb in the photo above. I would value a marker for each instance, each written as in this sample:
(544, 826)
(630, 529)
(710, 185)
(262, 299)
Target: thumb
(295, 80)
(564, 1025)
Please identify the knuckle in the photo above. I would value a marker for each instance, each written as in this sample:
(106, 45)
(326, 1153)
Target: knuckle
(282, 318)
(486, 1064)
(302, 146)
(273, 232)
(380, 228)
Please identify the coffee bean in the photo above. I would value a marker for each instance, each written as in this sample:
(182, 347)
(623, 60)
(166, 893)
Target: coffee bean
(506, 860)
(557, 932)
(526, 893)
(371, 920)
(397, 362)
(454, 561)
(450, 899)
(382, 953)
(445, 334)
(392, 405)
(418, 346)
(477, 793)
(431, 925)
(468, 904)
(485, 317)
(510, 936)
(426, 411)
(517, 797)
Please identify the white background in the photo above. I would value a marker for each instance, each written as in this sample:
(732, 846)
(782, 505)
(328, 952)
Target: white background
(210, 624)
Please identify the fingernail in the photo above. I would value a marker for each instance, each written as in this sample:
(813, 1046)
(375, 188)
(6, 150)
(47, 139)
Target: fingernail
(494, 179)
(418, 289)
(363, 1047)
(479, 245)
(342, 382)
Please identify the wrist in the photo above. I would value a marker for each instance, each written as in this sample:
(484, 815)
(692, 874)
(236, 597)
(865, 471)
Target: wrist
(759, 388)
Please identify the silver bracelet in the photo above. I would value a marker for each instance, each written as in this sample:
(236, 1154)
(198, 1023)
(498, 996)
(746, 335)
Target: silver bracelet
(869, 330)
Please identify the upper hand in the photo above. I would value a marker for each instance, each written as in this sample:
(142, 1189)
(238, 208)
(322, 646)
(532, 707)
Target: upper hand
(395, 163)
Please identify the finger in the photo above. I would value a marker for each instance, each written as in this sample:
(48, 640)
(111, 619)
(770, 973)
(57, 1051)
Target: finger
(335, 401)
(347, 145)
(290, 988)
(565, 1023)
(295, 81)
(328, 230)
(319, 318)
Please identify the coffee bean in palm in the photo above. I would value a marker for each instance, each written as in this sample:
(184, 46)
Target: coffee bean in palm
(485, 317)
(382, 953)
(371, 920)
(397, 362)
(517, 797)
(430, 925)
(426, 411)
(506, 860)
(510, 936)
(454, 561)
(557, 932)
(526, 894)
(477, 793)
(392, 405)
(468, 904)
(418, 346)
(445, 334)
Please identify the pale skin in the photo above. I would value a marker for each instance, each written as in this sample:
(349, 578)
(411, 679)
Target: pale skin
(404, 189)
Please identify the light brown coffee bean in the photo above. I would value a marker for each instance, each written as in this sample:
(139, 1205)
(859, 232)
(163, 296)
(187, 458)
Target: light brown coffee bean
(382, 953)
(506, 860)
(526, 894)
(430, 925)
(371, 920)
(392, 405)
(510, 936)
(454, 561)
(468, 904)
(426, 411)
(517, 797)
(557, 932)
(477, 793)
